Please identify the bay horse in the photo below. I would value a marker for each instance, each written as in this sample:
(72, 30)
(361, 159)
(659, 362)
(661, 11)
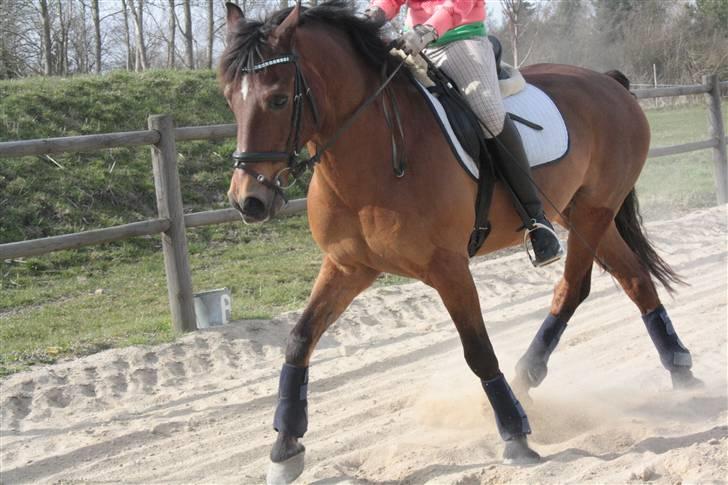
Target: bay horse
(302, 74)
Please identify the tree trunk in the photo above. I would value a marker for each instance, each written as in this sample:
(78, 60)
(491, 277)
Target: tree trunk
(127, 40)
(62, 67)
(6, 62)
(137, 12)
(210, 32)
(189, 55)
(97, 34)
(82, 46)
(47, 57)
(172, 27)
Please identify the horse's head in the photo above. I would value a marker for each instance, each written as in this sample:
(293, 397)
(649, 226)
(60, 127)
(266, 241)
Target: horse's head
(273, 106)
(276, 75)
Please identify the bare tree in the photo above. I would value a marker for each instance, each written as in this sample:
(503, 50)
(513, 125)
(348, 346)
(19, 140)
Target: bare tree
(81, 41)
(210, 32)
(62, 40)
(97, 33)
(171, 32)
(47, 56)
(187, 33)
(127, 40)
(137, 11)
(517, 13)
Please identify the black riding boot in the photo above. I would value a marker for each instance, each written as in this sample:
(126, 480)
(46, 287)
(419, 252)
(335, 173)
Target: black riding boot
(513, 166)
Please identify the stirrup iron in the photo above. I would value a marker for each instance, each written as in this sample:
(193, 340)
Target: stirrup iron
(532, 226)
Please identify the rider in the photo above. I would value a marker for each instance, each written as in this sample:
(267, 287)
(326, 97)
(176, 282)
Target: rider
(452, 34)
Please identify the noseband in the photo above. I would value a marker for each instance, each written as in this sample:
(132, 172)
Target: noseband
(301, 92)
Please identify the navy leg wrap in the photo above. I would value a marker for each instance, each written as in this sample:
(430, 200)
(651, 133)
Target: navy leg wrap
(673, 354)
(543, 344)
(509, 414)
(292, 412)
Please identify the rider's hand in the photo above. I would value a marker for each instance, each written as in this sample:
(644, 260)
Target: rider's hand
(416, 39)
(376, 15)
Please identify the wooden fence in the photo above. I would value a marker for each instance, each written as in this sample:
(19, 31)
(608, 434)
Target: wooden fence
(172, 223)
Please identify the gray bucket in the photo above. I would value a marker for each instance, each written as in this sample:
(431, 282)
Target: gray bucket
(213, 308)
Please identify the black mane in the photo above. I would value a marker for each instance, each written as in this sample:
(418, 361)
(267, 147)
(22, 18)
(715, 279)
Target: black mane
(247, 40)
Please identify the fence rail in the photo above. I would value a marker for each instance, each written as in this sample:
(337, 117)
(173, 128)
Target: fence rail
(671, 91)
(171, 223)
(82, 143)
(36, 247)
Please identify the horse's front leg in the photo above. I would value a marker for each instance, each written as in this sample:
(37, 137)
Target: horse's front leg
(335, 287)
(450, 276)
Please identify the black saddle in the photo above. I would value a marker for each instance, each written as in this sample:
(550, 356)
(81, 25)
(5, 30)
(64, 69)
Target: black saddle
(498, 51)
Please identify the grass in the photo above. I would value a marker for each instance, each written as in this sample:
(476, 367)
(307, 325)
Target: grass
(102, 303)
(670, 185)
(73, 303)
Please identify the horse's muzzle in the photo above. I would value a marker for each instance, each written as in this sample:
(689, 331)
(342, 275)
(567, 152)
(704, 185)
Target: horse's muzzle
(252, 209)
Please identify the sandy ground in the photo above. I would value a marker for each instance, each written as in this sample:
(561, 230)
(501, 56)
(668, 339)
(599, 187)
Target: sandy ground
(391, 399)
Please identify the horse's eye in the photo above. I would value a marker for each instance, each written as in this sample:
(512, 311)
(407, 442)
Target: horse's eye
(277, 102)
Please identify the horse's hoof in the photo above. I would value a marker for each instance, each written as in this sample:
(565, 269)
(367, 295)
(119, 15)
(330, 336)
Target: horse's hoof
(286, 471)
(684, 379)
(531, 372)
(517, 452)
(520, 387)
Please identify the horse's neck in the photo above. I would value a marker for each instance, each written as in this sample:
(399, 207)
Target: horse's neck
(340, 78)
(360, 162)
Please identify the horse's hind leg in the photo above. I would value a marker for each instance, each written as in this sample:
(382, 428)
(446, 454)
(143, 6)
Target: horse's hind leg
(335, 288)
(624, 265)
(589, 224)
(450, 276)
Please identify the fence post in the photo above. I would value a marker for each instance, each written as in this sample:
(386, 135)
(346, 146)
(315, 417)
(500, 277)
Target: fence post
(717, 133)
(174, 239)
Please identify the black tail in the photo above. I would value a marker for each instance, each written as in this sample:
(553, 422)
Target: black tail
(619, 77)
(630, 227)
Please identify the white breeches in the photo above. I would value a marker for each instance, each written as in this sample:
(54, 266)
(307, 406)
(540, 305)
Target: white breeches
(471, 64)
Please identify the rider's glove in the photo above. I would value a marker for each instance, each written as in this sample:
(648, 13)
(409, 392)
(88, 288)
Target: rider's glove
(376, 15)
(415, 40)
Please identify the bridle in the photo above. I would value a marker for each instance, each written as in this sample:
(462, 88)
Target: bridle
(295, 165)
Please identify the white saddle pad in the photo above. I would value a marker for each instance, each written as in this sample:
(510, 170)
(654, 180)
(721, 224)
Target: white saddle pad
(542, 146)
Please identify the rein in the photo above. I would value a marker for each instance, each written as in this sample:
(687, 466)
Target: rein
(301, 92)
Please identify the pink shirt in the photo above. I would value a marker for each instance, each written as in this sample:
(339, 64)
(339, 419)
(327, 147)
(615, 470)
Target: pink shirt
(443, 15)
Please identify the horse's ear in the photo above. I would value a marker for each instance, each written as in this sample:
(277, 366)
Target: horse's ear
(234, 14)
(283, 34)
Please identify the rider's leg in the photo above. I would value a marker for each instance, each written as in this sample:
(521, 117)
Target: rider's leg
(516, 170)
(471, 64)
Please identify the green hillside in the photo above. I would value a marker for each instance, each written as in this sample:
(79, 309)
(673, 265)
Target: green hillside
(112, 186)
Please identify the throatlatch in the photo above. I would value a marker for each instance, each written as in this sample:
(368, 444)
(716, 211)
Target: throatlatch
(673, 354)
(534, 361)
(292, 412)
(509, 414)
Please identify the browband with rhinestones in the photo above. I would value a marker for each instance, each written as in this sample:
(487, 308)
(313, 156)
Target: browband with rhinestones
(270, 62)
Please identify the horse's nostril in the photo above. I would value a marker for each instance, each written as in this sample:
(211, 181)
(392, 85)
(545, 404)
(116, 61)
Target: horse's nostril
(253, 207)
